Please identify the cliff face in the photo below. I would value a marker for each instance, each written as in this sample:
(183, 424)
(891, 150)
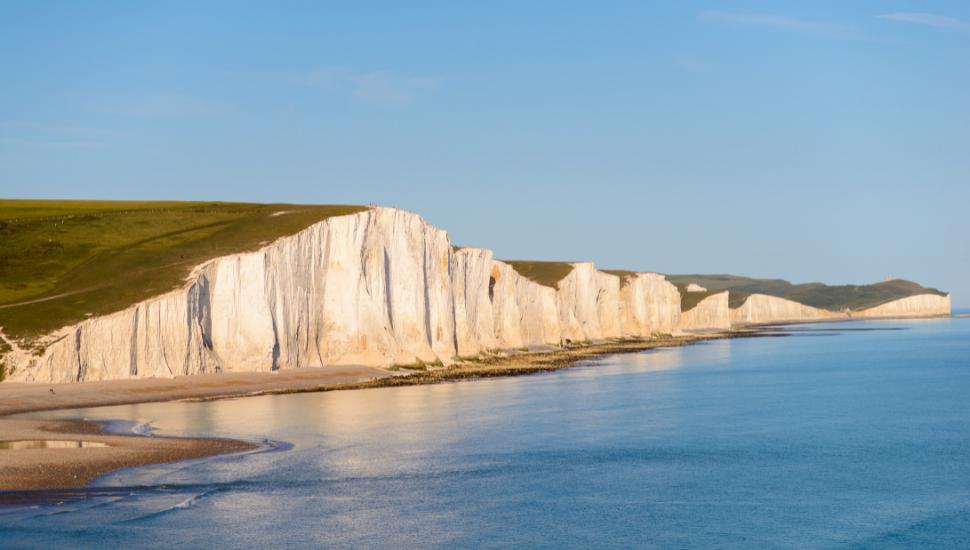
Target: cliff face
(525, 312)
(760, 308)
(588, 302)
(766, 309)
(378, 288)
(649, 303)
(373, 288)
(155, 338)
(711, 312)
(474, 315)
(913, 306)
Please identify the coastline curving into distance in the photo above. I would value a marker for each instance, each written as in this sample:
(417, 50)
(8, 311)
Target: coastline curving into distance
(380, 288)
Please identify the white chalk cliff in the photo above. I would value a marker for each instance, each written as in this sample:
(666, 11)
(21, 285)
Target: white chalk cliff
(760, 308)
(769, 309)
(649, 303)
(378, 288)
(711, 312)
(914, 306)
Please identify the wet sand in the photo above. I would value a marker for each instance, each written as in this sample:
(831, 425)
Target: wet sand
(22, 469)
(75, 467)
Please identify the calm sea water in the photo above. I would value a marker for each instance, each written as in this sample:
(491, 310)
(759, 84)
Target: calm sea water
(823, 439)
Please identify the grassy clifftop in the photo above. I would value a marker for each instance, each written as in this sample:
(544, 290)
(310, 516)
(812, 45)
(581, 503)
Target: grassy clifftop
(545, 273)
(625, 276)
(855, 297)
(63, 261)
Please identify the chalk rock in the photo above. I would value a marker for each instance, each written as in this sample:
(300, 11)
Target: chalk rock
(474, 317)
(913, 306)
(373, 288)
(589, 303)
(649, 303)
(711, 312)
(760, 308)
(524, 312)
(695, 288)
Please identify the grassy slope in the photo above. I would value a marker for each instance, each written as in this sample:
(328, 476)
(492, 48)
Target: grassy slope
(545, 273)
(861, 297)
(689, 300)
(771, 287)
(737, 299)
(112, 254)
(818, 295)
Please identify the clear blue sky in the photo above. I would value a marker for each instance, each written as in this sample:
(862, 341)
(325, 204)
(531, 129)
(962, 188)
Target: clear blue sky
(813, 141)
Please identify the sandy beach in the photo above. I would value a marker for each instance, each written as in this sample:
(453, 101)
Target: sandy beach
(18, 397)
(63, 468)
(59, 468)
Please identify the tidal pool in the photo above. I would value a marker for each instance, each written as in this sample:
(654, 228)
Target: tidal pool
(48, 444)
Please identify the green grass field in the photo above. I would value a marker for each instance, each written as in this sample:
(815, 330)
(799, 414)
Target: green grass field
(819, 295)
(63, 261)
(545, 273)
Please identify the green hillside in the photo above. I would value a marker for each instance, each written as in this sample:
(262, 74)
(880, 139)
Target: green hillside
(545, 273)
(771, 287)
(855, 297)
(63, 261)
(860, 297)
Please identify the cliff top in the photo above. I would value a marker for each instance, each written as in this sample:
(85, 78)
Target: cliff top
(625, 276)
(73, 259)
(819, 295)
(545, 273)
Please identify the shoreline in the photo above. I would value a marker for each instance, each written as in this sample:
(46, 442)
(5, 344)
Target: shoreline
(24, 397)
(72, 468)
(53, 469)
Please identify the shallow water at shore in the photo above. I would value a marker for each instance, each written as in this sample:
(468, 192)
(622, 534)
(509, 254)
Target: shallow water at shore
(825, 439)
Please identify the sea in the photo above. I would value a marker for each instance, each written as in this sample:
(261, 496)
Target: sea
(851, 435)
